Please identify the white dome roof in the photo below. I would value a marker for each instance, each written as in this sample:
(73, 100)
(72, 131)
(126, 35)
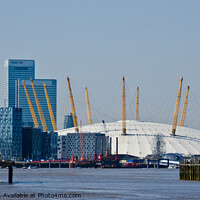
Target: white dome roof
(138, 141)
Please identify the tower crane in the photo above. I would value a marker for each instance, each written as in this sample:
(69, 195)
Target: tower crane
(88, 106)
(123, 107)
(137, 105)
(184, 107)
(44, 125)
(175, 119)
(72, 106)
(50, 109)
(31, 106)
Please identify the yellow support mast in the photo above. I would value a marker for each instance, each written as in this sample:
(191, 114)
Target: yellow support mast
(137, 105)
(53, 121)
(123, 107)
(72, 106)
(31, 106)
(88, 106)
(44, 125)
(184, 107)
(175, 119)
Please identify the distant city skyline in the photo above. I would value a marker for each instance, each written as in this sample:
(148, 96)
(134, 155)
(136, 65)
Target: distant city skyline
(17, 71)
(151, 43)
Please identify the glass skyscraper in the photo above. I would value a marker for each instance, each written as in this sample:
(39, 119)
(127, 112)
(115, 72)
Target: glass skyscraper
(13, 70)
(11, 133)
(68, 121)
(21, 100)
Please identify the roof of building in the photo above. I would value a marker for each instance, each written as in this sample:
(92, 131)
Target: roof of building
(140, 136)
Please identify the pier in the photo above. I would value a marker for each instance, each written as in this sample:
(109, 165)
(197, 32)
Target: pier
(8, 164)
(190, 170)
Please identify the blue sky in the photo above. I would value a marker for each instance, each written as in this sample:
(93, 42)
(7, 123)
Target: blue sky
(151, 43)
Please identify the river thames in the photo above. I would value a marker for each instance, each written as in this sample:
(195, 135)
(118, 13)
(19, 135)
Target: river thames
(90, 183)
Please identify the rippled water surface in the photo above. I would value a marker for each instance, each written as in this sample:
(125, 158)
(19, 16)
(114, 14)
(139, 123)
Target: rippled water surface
(99, 183)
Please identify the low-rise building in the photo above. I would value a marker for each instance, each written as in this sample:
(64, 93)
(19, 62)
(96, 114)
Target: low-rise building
(69, 145)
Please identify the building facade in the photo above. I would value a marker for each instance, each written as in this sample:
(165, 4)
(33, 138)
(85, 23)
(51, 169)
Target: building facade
(11, 133)
(21, 100)
(68, 121)
(31, 143)
(49, 145)
(13, 70)
(69, 145)
(38, 145)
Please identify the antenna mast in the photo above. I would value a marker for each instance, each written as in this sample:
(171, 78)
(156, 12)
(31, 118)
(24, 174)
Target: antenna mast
(123, 107)
(177, 108)
(184, 107)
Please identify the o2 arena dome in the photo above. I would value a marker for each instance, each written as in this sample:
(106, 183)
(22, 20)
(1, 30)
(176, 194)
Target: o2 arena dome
(139, 137)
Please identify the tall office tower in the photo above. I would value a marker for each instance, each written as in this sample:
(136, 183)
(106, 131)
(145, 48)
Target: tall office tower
(21, 100)
(13, 70)
(68, 121)
(11, 133)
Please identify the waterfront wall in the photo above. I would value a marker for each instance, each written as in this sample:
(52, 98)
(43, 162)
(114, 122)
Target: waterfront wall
(190, 170)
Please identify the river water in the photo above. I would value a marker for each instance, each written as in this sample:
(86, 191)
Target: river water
(97, 184)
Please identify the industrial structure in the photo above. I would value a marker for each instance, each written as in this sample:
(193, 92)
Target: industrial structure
(31, 106)
(88, 106)
(42, 119)
(138, 141)
(176, 111)
(72, 106)
(137, 105)
(123, 107)
(135, 138)
(53, 121)
(184, 107)
(26, 97)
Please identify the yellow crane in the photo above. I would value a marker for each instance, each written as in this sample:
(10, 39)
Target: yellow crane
(175, 119)
(137, 105)
(72, 106)
(50, 109)
(123, 107)
(88, 107)
(44, 125)
(184, 107)
(31, 106)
